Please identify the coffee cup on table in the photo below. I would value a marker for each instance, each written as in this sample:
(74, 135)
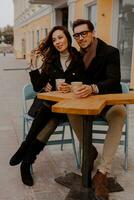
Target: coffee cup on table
(59, 81)
(75, 85)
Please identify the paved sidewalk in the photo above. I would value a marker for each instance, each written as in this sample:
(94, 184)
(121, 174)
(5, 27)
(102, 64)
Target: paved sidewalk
(50, 163)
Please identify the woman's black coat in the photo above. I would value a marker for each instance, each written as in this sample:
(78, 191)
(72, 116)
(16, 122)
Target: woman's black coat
(74, 72)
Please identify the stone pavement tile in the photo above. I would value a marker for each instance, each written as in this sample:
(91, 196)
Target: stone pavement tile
(50, 196)
(13, 188)
(45, 171)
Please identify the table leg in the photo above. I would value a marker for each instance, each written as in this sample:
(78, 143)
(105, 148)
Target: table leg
(87, 151)
(80, 187)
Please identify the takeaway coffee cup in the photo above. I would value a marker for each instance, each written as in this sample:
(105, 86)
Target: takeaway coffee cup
(59, 81)
(75, 85)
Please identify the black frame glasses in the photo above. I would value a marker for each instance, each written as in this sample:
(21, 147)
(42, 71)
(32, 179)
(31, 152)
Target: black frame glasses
(83, 34)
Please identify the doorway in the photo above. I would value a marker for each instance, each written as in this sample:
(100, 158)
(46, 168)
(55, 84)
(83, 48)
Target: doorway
(62, 16)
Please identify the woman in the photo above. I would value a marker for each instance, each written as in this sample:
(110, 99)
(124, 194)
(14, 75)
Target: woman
(60, 60)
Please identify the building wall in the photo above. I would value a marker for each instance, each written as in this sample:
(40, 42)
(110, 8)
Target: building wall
(104, 19)
(78, 9)
(28, 21)
(32, 18)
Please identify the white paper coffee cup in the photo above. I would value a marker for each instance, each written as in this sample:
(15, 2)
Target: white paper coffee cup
(59, 81)
(75, 85)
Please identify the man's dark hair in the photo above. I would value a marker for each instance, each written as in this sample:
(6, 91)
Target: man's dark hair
(83, 21)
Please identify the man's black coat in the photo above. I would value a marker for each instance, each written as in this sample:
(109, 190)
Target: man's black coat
(104, 70)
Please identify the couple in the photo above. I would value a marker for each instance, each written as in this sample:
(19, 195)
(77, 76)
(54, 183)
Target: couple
(98, 67)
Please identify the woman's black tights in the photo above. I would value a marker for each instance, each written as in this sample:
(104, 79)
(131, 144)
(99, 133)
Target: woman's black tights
(39, 123)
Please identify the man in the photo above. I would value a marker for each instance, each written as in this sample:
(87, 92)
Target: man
(102, 66)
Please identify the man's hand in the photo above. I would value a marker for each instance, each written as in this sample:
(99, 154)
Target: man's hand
(83, 91)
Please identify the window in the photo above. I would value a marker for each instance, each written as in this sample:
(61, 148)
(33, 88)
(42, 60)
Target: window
(38, 37)
(32, 39)
(45, 32)
(91, 13)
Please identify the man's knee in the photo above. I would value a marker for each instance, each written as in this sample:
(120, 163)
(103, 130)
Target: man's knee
(116, 111)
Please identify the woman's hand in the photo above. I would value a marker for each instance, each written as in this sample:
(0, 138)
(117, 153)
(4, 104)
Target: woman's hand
(35, 61)
(65, 87)
(48, 87)
(83, 91)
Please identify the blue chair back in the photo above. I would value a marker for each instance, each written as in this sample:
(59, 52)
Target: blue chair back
(28, 92)
(125, 88)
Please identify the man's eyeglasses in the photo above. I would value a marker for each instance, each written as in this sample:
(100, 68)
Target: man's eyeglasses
(82, 34)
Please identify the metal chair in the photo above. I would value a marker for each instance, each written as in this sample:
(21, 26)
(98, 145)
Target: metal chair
(29, 94)
(99, 130)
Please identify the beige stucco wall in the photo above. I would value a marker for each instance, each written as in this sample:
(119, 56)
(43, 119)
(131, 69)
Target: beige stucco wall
(104, 27)
(19, 35)
(78, 9)
(104, 16)
(104, 19)
(25, 33)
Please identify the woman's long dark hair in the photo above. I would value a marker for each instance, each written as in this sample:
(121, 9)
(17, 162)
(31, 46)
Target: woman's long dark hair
(46, 48)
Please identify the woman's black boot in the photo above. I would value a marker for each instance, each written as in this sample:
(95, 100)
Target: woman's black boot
(38, 124)
(18, 156)
(34, 149)
(25, 170)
